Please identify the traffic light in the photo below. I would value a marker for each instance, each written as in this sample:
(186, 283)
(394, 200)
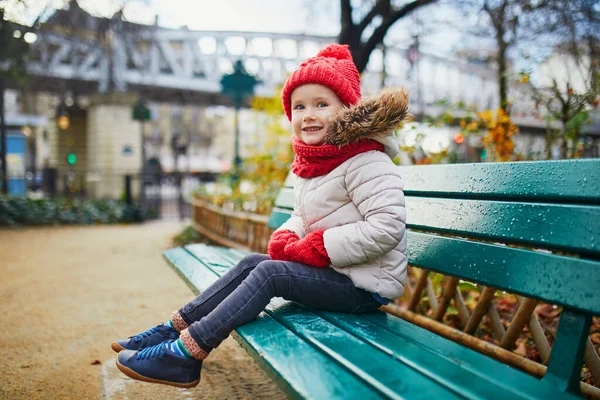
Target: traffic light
(459, 138)
(71, 159)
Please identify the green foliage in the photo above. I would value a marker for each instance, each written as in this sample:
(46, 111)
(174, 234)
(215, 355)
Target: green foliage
(265, 167)
(467, 286)
(17, 210)
(577, 123)
(189, 236)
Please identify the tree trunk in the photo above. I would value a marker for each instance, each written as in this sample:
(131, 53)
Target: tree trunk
(351, 37)
(503, 92)
(548, 144)
(498, 18)
(574, 142)
(563, 141)
(4, 177)
(351, 32)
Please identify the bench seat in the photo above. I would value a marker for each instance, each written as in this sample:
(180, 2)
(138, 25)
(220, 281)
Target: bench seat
(325, 355)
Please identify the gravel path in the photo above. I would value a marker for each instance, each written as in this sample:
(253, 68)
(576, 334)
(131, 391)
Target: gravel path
(67, 292)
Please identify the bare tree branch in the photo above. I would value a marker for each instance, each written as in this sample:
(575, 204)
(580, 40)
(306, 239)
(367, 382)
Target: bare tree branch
(380, 8)
(346, 17)
(351, 33)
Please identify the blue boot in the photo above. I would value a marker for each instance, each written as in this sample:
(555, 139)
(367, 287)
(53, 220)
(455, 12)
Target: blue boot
(158, 334)
(158, 364)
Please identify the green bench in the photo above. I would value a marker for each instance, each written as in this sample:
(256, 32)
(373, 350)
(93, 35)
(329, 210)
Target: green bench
(530, 228)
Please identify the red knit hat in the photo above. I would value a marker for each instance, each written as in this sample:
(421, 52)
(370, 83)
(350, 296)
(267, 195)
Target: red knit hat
(332, 67)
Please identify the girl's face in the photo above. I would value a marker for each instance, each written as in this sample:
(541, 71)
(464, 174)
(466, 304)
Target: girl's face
(313, 106)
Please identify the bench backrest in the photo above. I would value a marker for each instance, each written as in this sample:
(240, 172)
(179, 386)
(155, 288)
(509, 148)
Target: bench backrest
(530, 228)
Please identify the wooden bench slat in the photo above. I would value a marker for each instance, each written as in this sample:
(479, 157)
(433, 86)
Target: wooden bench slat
(458, 367)
(278, 217)
(285, 198)
(536, 224)
(558, 280)
(551, 181)
(514, 382)
(220, 255)
(196, 278)
(312, 375)
(290, 180)
(237, 254)
(358, 356)
(562, 227)
(209, 257)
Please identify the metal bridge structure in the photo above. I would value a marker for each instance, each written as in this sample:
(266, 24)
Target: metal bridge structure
(162, 63)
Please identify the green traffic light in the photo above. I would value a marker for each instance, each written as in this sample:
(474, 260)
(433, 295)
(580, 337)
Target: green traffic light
(71, 159)
(483, 154)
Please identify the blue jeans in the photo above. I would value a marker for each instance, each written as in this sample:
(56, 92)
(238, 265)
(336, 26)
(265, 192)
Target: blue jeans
(242, 293)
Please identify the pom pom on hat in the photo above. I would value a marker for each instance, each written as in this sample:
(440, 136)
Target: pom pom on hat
(337, 51)
(332, 67)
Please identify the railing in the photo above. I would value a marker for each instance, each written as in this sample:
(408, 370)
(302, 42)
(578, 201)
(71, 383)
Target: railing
(160, 195)
(235, 229)
(421, 304)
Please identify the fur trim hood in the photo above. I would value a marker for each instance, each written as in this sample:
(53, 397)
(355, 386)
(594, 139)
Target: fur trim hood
(371, 118)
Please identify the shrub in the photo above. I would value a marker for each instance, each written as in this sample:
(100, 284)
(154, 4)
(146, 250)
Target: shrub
(17, 210)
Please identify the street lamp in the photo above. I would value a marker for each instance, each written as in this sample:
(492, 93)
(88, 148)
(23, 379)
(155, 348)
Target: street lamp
(413, 55)
(30, 37)
(62, 116)
(141, 113)
(238, 86)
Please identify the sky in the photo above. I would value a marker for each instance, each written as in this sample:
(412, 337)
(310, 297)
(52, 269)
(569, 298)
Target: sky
(286, 16)
(241, 15)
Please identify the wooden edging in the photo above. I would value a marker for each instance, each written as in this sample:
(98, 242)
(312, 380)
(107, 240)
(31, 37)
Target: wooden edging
(261, 219)
(481, 346)
(217, 238)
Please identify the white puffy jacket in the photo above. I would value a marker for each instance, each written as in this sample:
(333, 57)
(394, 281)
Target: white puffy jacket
(360, 204)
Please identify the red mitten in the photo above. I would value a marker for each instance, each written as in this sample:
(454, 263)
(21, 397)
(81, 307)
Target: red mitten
(309, 250)
(277, 244)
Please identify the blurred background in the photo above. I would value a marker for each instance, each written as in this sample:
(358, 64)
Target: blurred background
(135, 107)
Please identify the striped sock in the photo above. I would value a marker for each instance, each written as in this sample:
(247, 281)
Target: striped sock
(178, 348)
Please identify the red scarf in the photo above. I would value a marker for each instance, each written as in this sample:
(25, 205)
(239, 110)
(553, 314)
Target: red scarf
(311, 161)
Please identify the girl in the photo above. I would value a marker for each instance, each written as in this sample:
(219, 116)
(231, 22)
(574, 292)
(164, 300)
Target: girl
(343, 249)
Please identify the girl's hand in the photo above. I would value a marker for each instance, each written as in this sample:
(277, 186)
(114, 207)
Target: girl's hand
(277, 243)
(309, 250)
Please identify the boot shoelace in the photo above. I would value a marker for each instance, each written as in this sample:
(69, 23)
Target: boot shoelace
(154, 351)
(142, 335)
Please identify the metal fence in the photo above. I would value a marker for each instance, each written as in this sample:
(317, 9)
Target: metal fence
(165, 195)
